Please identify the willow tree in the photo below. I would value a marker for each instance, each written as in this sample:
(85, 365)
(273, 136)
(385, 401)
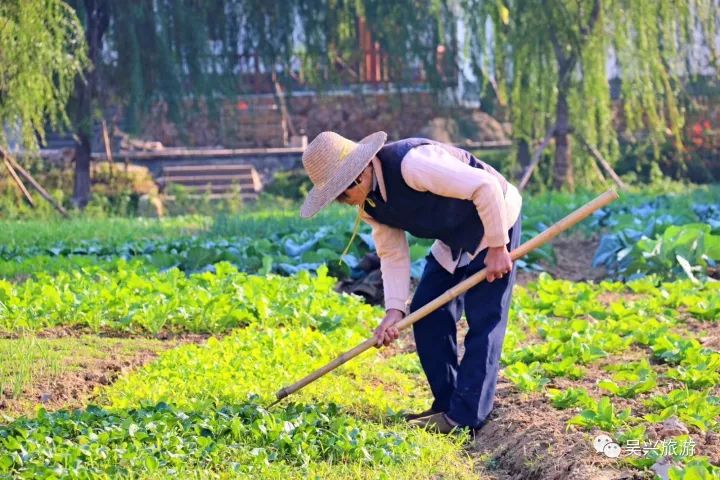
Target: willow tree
(41, 53)
(549, 61)
(171, 51)
(144, 51)
(179, 51)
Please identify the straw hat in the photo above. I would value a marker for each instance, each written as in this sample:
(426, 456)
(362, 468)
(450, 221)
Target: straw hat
(332, 162)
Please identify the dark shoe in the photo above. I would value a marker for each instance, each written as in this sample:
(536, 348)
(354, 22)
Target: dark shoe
(414, 416)
(437, 423)
(476, 431)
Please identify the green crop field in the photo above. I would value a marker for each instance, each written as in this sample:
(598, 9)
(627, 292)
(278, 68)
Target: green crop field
(152, 349)
(167, 313)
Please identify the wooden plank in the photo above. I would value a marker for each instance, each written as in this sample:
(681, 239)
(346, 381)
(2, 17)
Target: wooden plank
(43, 193)
(239, 168)
(601, 160)
(244, 178)
(199, 153)
(209, 175)
(285, 120)
(212, 187)
(108, 152)
(536, 158)
(257, 183)
(212, 179)
(19, 182)
(213, 196)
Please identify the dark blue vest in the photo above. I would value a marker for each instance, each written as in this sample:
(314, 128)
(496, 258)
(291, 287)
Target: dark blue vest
(425, 214)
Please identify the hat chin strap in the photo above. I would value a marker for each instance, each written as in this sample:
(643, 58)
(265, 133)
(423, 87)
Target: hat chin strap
(356, 228)
(361, 209)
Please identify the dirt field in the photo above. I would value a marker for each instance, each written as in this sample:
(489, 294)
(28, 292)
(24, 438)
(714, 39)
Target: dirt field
(61, 367)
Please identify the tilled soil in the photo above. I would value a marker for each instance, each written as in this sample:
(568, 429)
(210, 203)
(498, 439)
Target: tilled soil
(574, 253)
(82, 374)
(79, 330)
(73, 388)
(527, 438)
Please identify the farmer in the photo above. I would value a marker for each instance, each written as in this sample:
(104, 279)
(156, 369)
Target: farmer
(437, 191)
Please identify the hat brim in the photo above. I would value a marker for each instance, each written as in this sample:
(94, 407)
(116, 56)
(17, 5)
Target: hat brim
(321, 196)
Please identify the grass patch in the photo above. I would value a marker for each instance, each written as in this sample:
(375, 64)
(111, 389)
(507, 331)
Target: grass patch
(112, 230)
(27, 362)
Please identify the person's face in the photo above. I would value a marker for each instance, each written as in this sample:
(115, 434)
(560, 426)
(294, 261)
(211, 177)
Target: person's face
(357, 191)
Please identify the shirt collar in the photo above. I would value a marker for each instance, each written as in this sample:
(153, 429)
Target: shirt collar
(378, 180)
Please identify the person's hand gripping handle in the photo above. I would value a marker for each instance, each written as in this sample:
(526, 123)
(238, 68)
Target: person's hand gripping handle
(387, 332)
(498, 263)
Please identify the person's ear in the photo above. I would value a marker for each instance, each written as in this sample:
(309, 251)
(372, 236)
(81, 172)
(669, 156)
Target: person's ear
(367, 173)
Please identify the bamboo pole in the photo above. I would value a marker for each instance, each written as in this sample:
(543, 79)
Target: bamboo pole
(108, 151)
(283, 106)
(603, 163)
(462, 287)
(43, 193)
(19, 182)
(536, 158)
(599, 174)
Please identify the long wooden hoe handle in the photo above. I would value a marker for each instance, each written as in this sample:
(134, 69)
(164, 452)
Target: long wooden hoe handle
(462, 287)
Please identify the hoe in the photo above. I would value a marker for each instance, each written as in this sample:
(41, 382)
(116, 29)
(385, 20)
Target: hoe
(462, 287)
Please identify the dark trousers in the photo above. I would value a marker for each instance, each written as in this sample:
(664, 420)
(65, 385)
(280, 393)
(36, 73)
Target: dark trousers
(465, 389)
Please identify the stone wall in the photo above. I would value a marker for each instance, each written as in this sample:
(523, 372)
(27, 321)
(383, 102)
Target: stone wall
(356, 116)
(243, 123)
(256, 121)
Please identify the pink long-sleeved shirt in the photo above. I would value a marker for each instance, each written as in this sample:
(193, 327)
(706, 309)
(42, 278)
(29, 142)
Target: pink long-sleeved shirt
(429, 168)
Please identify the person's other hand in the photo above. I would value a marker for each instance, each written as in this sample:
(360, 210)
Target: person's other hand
(386, 332)
(498, 263)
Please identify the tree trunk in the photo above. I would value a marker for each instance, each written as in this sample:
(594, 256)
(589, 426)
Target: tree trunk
(81, 192)
(96, 21)
(83, 149)
(563, 162)
(567, 56)
(523, 157)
